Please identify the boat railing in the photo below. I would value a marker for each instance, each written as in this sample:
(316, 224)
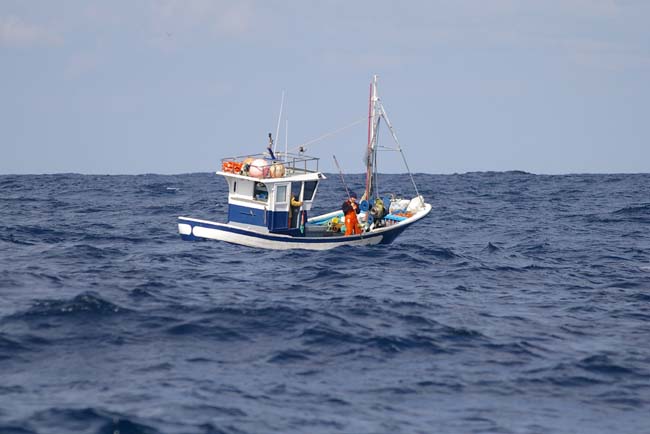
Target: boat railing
(291, 163)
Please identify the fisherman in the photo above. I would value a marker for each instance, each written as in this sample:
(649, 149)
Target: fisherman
(350, 209)
(294, 210)
(378, 212)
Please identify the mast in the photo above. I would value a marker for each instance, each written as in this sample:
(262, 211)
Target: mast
(376, 111)
(373, 124)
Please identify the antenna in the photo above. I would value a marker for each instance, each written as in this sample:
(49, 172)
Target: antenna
(286, 138)
(277, 130)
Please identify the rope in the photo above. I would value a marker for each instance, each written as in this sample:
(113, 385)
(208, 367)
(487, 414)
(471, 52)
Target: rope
(401, 151)
(331, 133)
(301, 147)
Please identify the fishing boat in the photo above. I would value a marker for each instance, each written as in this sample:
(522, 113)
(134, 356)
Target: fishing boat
(270, 197)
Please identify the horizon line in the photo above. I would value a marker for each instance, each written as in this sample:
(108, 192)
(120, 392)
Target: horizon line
(522, 172)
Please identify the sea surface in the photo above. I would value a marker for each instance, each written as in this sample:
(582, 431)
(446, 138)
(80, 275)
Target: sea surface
(521, 304)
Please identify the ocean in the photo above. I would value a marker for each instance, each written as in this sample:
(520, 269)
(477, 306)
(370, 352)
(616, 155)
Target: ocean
(521, 304)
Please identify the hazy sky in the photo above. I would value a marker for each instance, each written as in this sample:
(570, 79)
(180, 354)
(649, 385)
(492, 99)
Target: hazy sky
(172, 86)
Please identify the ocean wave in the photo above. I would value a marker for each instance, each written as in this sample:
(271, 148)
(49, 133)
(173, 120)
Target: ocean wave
(9, 347)
(10, 279)
(589, 371)
(399, 344)
(145, 290)
(561, 380)
(11, 183)
(522, 349)
(16, 429)
(358, 339)
(87, 252)
(322, 274)
(622, 398)
(433, 252)
(32, 234)
(641, 296)
(491, 248)
(643, 209)
(412, 257)
(324, 334)
(91, 420)
(10, 238)
(206, 329)
(603, 364)
(85, 304)
(290, 356)
(172, 210)
(265, 319)
(112, 237)
(217, 411)
(91, 210)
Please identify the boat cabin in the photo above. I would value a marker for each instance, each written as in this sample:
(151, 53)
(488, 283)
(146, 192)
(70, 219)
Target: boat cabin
(260, 192)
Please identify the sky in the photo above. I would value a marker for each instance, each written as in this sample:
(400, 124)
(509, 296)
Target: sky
(173, 86)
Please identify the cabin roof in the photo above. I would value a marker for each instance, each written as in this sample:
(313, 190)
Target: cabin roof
(310, 176)
(285, 166)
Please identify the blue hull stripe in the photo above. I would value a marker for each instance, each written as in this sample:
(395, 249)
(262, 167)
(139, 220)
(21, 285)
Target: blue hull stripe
(247, 215)
(388, 236)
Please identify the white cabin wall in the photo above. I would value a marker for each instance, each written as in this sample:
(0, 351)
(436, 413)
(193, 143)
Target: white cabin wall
(244, 187)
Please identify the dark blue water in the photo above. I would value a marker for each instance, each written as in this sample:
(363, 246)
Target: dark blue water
(520, 305)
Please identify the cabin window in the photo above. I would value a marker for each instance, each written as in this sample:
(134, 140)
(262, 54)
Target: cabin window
(281, 194)
(234, 187)
(310, 188)
(260, 192)
(295, 190)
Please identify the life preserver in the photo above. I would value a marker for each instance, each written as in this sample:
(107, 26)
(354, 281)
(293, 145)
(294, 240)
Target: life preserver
(231, 166)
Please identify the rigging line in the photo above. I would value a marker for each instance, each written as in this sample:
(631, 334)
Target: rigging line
(401, 151)
(386, 148)
(331, 133)
(347, 191)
